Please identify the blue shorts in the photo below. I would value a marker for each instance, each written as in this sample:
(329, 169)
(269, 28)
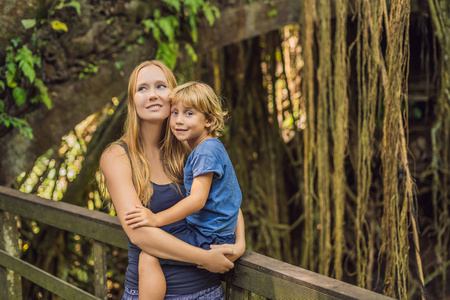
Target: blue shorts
(213, 293)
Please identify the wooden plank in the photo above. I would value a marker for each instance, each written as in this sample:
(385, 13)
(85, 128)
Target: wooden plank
(9, 242)
(49, 282)
(100, 279)
(234, 292)
(97, 225)
(253, 272)
(274, 279)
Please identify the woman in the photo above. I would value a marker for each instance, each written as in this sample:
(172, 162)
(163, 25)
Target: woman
(135, 170)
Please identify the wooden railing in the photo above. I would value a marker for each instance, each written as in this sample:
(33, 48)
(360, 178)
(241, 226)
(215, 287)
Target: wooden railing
(253, 273)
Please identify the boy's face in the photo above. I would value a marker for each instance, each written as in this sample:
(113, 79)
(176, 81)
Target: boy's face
(188, 124)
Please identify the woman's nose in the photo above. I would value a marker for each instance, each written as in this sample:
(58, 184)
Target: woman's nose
(152, 94)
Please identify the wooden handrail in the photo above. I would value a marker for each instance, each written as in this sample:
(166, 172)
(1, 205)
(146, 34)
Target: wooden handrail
(253, 272)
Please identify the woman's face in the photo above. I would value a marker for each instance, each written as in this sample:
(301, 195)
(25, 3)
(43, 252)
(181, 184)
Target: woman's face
(151, 94)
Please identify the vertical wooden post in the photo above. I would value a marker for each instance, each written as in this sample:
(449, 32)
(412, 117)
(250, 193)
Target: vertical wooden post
(100, 270)
(235, 293)
(9, 242)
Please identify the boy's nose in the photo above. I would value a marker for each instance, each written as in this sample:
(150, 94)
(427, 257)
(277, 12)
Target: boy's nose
(179, 119)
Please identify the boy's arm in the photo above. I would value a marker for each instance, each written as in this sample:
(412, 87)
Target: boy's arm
(141, 216)
(189, 205)
(240, 244)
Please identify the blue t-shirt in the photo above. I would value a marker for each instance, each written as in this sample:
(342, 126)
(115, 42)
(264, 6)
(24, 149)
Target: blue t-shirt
(219, 215)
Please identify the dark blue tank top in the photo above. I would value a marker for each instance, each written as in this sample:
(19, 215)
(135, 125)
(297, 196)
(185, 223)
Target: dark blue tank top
(180, 279)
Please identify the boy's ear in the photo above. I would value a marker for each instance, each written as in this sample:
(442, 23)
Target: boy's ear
(209, 122)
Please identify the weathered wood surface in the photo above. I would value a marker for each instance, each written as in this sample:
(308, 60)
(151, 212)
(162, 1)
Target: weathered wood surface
(100, 268)
(49, 282)
(93, 224)
(9, 242)
(253, 272)
(274, 279)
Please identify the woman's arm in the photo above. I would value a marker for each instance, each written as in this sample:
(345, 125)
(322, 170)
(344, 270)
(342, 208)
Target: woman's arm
(117, 171)
(141, 216)
(240, 244)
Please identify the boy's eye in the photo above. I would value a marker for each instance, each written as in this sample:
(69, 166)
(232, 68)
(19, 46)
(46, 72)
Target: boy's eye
(189, 113)
(174, 112)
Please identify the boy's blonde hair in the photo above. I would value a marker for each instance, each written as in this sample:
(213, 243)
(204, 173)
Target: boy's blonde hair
(202, 98)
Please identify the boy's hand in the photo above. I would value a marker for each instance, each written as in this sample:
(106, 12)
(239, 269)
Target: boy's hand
(238, 250)
(215, 260)
(140, 216)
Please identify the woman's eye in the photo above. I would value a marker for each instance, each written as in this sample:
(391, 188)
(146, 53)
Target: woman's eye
(161, 86)
(141, 88)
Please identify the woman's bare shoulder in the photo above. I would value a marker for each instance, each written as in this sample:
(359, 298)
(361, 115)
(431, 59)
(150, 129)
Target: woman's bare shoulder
(113, 154)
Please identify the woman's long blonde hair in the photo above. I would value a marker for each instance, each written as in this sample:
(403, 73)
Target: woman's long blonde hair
(173, 154)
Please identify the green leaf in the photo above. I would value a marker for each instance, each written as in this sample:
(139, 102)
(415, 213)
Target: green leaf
(168, 26)
(2, 106)
(28, 23)
(149, 24)
(44, 98)
(118, 65)
(191, 52)
(76, 5)
(209, 13)
(273, 13)
(20, 96)
(167, 53)
(157, 34)
(28, 132)
(193, 24)
(24, 55)
(16, 42)
(28, 71)
(2, 85)
(11, 75)
(194, 5)
(140, 40)
(173, 3)
(37, 61)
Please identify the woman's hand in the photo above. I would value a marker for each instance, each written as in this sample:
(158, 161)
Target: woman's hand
(140, 216)
(239, 249)
(216, 261)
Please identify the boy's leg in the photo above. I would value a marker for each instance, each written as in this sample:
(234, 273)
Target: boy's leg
(152, 283)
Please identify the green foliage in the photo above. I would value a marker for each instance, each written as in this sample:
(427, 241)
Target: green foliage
(20, 69)
(165, 28)
(191, 52)
(75, 4)
(90, 68)
(173, 3)
(273, 13)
